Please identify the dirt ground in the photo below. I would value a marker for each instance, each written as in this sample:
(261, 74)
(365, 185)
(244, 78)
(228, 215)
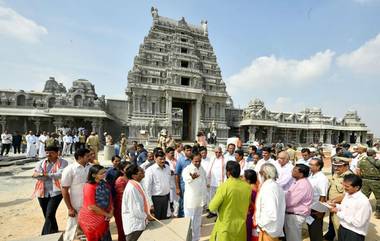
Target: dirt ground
(21, 216)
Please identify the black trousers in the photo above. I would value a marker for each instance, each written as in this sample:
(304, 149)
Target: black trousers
(348, 235)
(17, 148)
(160, 204)
(5, 147)
(316, 229)
(49, 207)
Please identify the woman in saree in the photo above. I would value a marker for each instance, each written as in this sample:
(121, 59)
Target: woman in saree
(97, 207)
(251, 177)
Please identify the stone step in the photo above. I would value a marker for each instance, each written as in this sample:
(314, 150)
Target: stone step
(49, 237)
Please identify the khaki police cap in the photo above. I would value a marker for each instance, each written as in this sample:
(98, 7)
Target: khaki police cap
(340, 161)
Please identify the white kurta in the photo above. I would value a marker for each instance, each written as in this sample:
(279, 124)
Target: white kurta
(217, 172)
(31, 149)
(194, 197)
(41, 150)
(270, 209)
(132, 210)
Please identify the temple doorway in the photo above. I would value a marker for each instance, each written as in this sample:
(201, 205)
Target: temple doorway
(183, 119)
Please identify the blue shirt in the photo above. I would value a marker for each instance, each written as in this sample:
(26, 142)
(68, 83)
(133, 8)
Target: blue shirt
(141, 157)
(181, 164)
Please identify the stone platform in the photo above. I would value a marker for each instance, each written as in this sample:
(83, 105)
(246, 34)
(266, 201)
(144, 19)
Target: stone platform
(155, 231)
(50, 237)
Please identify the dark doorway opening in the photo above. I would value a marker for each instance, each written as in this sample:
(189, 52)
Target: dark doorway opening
(186, 106)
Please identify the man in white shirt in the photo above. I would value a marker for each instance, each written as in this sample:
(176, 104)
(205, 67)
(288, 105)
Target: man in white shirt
(74, 177)
(31, 149)
(270, 205)
(361, 154)
(169, 153)
(306, 157)
(354, 212)
(230, 154)
(266, 159)
(285, 178)
(67, 141)
(135, 205)
(216, 174)
(157, 186)
(42, 140)
(6, 142)
(320, 185)
(205, 163)
(194, 177)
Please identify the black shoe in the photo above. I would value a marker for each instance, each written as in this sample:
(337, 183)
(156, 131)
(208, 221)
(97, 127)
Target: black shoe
(328, 237)
(211, 215)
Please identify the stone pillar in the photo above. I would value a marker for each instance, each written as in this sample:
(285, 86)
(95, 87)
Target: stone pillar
(270, 135)
(328, 138)
(57, 123)
(3, 123)
(25, 125)
(169, 108)
(37, 123)
(321, 136)
(94, 125)
(198, 105)
(252, 133)
(298, 135)
(347, 136)
(364, 137)
(308, 136)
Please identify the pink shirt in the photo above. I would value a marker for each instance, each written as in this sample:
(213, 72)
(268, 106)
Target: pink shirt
(299, 197)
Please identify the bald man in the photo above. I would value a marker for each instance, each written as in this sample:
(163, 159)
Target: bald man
(285, 169)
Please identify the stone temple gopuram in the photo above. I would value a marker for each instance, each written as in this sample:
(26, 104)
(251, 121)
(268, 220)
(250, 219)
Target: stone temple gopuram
(175, 82)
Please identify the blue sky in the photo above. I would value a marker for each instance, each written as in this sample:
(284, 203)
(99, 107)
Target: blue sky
(291, 54)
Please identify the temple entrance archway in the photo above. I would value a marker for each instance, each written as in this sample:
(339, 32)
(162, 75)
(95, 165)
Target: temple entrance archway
(183, 119)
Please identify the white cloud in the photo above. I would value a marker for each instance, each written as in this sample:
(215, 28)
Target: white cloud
(277, 72)
(286, 104)
(363, 61)
(366, 1)
(14, 25)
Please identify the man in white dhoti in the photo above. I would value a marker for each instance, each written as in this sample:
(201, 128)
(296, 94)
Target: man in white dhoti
(194, 177)
(135, 209)
(216, 174)
(67, 141)
(31, 140)
(42, 140)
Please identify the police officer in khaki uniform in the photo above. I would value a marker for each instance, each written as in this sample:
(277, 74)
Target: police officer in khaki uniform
(93, 143)
(369, 170)
(336, 190)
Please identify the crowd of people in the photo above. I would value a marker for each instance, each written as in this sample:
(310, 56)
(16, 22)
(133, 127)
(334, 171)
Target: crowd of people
(268, 195)
(34, 144)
